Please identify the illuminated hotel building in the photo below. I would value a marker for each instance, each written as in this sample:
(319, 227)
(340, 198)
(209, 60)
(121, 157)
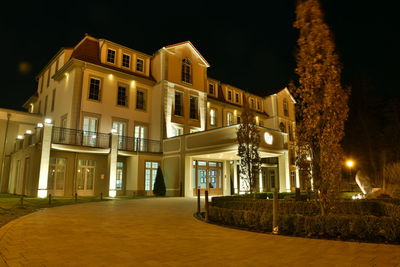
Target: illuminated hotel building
(116, 114)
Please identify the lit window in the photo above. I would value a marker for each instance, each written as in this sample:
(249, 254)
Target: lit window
(229, 118)
(94, 89)
(141, 99)
(285, 107)
(293, 178)
(282, 127)
(211, 89)
(139, 65)
(56, 178)
(150, 175)
(126, 61)
(178, 109)
(186, 71)
(120, 174)
(194, 107)
(122, 99)
(110, 56)
(213, 116)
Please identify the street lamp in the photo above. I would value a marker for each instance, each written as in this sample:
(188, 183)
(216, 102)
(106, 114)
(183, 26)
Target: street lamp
(350, 164)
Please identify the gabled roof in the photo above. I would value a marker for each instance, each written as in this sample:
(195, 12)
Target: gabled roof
(191, 46)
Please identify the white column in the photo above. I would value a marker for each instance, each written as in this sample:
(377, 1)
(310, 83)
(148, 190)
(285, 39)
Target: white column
(226, 178)
(188, 177)
(284, 176)
(44, 160)
(112, 165)
(235, 177)
(260, 181)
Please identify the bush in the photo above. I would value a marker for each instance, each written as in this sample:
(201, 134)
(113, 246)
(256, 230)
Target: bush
(365, 220)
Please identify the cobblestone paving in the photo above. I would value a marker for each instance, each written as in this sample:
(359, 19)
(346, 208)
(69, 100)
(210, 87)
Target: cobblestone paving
(163, 232)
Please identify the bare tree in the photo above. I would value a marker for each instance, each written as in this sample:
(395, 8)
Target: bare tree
(249, 141)
(322, 103)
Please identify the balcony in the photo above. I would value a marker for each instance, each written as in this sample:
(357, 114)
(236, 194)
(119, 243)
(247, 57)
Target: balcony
(66, 136)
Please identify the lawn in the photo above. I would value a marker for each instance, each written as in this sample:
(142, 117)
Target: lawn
(11, 206)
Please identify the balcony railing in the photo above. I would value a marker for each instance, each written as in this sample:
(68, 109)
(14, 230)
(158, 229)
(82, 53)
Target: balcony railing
(101, 140)
(138, 144)
(80, 138)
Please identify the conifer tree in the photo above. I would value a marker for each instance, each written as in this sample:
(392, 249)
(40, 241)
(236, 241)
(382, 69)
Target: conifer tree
(322, 102)
(249, 141)
(159, 184)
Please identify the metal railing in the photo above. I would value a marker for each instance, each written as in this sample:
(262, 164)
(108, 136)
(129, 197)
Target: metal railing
(80, 138)
(138, 144)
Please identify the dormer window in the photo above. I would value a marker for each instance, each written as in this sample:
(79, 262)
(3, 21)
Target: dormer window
(139, 65)
(126, 61)
(230, 95)
(237, 98)
(211, 89)
(186, 70)
(252, 103)
(110, 56)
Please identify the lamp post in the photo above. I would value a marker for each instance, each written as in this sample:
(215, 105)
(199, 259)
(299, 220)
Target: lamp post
(350, 164)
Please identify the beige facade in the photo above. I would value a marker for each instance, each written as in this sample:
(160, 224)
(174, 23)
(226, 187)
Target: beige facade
(117, 114)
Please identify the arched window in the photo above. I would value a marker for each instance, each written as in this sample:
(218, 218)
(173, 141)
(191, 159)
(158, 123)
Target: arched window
(186, 70)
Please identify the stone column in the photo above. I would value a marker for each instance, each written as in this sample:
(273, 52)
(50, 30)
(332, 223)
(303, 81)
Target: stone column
(284, 177)
(112, 165)
(45, 160)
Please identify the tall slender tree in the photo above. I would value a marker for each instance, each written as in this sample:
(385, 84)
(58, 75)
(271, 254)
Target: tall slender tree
(322, 102)
(248, 138)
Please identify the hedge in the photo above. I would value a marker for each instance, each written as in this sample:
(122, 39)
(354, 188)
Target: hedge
(363, 220)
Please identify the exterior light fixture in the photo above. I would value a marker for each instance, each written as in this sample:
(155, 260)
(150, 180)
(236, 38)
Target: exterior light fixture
(47, 120)
(20, 137)
(350, 163)
(39, 125)
(308, 158)
(268, 138)
(28, 132)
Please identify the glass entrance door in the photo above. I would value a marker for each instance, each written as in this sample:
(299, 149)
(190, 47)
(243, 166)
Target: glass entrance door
(85, 177)
(207, 176)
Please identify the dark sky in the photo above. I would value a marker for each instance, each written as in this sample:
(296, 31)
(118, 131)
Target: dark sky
(247, 45)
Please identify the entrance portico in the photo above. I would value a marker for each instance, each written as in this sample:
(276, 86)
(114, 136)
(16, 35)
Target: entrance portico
(208, 161)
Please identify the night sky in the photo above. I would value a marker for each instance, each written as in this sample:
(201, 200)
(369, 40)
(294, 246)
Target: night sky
(251, 47)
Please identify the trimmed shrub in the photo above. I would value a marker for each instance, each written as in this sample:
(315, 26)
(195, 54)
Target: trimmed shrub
(365, 220)
(159, 184)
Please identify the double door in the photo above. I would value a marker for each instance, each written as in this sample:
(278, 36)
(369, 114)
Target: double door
(208, 176)
(269, 178)
(85, 177)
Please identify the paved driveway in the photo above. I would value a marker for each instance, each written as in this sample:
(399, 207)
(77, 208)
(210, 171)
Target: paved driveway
(163, 232)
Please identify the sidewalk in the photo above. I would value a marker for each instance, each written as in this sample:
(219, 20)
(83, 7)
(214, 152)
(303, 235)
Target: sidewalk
(163, 232)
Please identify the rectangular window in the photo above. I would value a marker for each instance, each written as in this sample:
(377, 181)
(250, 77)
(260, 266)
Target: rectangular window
(120, 175)
(126, 61)
(53, 100)
(285, 107)
(63, 125)
(122, 98)
(211, 89)
(56, 178)
(229, 118)
(140, 135)
(150, 174)
(140, 99)
(238, 119)
(258, 105)
(90, 125)
(261, 123)
(252, 103)
(110, 56)
(213, 116)
(45, 105)
(120, 128)
(94, 89)
(237, 99)
(139, 65)
(229, 95)
(194, 114)
(178, 107)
